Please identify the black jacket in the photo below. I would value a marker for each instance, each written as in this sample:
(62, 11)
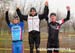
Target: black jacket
(53, 28)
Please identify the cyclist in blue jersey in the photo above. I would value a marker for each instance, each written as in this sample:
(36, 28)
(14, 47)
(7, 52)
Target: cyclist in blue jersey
(17, 28)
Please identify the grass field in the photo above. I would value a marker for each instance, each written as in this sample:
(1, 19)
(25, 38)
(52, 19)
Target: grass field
(66, 41)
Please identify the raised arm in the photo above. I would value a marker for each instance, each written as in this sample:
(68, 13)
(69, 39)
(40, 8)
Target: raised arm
(22, 17)
(46, 11)
(67, 17)
(7, 18)
(68, 14)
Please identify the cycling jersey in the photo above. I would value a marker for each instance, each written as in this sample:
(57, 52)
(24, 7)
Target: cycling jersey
(16, 31)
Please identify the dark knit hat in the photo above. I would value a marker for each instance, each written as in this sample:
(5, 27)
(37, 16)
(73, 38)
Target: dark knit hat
(32, 9)
(53, 14)
(15, 17)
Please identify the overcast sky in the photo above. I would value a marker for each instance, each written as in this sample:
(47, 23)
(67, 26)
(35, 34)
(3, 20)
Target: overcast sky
(54, 5)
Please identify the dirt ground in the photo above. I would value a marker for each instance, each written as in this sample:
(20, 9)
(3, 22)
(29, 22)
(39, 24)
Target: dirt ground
(66, 41)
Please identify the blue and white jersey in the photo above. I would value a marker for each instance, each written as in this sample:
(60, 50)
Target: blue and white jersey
(17, 31)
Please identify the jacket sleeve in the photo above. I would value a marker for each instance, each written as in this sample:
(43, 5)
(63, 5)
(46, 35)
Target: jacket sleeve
(22, 17)
(7, 18)
(68, 16)
(65, 19)
(45, 14)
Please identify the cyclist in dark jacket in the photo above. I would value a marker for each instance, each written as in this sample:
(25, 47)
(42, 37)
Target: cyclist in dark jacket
(53, 31)
(34, 26)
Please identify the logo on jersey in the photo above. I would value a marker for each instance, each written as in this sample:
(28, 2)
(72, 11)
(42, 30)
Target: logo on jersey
(56, 27)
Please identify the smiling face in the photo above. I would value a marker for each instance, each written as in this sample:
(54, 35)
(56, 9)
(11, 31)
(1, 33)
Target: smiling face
(32, 11)
(15, 21)
(53, 17)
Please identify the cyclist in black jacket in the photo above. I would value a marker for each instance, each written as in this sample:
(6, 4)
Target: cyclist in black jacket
(34, 26)
(53, 31)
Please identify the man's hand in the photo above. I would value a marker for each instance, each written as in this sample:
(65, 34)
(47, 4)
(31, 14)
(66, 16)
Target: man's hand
(68, 8)
(46, 3)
